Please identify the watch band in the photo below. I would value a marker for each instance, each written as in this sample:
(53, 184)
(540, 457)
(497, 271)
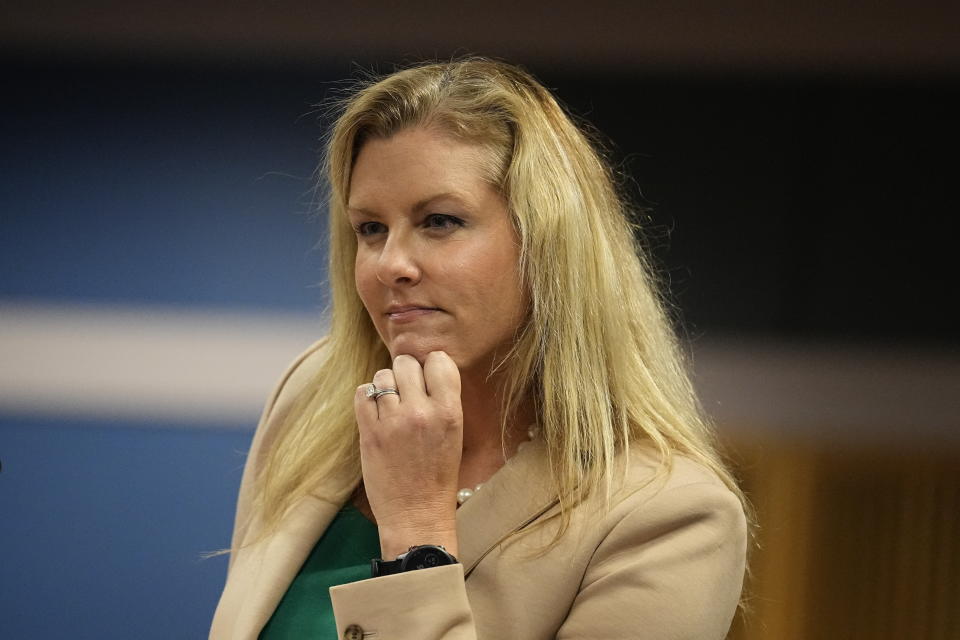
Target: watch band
(424, 556)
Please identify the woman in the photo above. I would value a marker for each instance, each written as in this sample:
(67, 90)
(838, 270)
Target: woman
(523, 435)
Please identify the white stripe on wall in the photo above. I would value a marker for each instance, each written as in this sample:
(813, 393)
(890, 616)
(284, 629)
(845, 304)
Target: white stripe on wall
(145, 364)
(187, 366)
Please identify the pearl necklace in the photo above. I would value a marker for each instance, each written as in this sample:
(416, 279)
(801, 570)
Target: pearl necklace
(466, 493)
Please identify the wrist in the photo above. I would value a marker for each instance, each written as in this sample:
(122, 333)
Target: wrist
(416, 558)
(394, 541)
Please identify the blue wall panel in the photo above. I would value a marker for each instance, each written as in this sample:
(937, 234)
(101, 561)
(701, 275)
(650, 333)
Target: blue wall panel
(160, 186)
(102, 528)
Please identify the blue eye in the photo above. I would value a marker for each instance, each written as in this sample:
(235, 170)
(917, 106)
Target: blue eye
(369, 228)
(442, 221)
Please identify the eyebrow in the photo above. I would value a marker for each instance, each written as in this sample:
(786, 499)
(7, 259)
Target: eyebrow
(418, 206)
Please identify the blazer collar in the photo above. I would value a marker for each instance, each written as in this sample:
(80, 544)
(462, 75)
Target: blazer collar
(516, 495)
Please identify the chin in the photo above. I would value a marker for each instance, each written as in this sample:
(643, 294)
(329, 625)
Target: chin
(418, 349)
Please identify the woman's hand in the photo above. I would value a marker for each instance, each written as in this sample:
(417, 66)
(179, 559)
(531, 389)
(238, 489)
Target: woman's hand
(410, 448)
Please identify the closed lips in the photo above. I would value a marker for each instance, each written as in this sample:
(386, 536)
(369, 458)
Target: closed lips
(409, 311)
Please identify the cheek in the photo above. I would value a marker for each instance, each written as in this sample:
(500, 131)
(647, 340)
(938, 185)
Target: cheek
(497, 273)
(364, 279)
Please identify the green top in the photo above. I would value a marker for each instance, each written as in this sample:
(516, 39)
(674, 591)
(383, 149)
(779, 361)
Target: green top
(341, 555)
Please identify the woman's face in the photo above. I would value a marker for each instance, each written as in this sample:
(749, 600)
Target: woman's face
(437, 255)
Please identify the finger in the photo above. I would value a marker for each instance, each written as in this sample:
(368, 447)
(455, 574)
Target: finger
(409, 376)
(441, 377)
(364, 407)
(384, 379)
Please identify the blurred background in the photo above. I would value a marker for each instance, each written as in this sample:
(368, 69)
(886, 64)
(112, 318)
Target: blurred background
(160, 263)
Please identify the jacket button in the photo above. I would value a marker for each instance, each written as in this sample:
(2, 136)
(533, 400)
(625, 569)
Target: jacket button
(353, 632)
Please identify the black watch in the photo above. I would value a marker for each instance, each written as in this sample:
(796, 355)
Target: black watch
(424, 556)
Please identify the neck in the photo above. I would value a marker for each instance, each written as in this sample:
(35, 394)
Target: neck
(482, 399)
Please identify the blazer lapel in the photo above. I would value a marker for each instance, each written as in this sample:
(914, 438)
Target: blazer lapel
(516, 495)
(268, 567)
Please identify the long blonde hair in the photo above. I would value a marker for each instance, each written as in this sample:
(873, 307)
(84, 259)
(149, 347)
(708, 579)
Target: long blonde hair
(597, 355)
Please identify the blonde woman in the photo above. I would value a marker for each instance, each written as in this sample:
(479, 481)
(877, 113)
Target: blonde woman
(497, 439)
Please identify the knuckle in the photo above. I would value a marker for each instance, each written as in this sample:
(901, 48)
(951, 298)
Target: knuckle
(370, 440)
(419, 418)
(449, 415)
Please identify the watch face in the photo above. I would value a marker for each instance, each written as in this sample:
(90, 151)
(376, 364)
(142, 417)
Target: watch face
(425, 558)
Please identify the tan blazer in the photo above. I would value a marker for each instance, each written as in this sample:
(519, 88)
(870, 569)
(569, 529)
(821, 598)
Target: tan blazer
(666, 561)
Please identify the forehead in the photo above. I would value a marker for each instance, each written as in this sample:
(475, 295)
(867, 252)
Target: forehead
(413, 162)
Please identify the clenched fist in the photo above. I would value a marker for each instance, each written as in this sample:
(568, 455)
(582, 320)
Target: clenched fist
(410, 448)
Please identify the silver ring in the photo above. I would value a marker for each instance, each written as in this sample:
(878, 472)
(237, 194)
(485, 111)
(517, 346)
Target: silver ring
(373, 392)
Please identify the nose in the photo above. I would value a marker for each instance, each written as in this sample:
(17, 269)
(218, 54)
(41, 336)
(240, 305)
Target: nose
(398, 264)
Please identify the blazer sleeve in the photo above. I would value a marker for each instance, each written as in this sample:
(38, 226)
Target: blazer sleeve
(670, 568)
(430, 604)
